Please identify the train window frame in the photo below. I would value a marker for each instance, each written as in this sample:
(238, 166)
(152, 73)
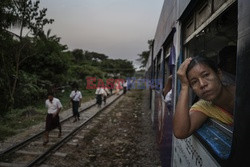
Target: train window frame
(202, 7)
(166, 56)
(217, 138)
(158, 66)
(212, 131)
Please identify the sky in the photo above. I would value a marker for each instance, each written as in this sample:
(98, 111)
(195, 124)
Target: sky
(116, 28)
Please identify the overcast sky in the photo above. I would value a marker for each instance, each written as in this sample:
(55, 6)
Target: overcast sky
(116, 28)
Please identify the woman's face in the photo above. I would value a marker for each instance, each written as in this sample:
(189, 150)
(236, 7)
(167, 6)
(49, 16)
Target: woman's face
(205, 82)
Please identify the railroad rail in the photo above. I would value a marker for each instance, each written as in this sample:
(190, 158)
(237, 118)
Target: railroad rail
(18, 152)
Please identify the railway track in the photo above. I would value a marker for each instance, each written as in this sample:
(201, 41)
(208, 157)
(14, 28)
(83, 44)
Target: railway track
(31, 152)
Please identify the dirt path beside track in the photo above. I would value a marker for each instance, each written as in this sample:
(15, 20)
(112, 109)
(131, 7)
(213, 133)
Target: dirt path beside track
(123, 138)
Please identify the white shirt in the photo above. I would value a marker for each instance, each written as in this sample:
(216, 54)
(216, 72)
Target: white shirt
(125, 84)
(99, 91)
(76, 95)
(106, 92)
(168, 97)
(53, 106)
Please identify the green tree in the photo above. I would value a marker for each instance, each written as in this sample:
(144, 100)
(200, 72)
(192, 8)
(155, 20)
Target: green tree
(78, 55)
(29, 16)
(117, 67)
(50, 62)
(6, 15)
(144, 56)
(16, 49)
(33, 19)
(6, 62)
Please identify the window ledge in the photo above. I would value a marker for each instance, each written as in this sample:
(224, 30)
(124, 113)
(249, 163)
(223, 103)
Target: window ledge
(217, 136)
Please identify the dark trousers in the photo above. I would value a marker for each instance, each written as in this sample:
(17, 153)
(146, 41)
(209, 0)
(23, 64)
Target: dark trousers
(99, 99)
(104, 99)
(124, 90)
(75, 106)
(52, 122)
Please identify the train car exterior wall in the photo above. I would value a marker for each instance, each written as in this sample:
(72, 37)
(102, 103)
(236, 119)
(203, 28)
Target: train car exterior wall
(173, 33)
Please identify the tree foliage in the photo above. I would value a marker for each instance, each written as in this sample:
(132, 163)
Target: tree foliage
(30, 16)
(144, 56)
(15, 50)
(33, 63)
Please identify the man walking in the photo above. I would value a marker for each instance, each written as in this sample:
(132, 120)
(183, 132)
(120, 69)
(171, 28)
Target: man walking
(125, 84)
(76, 97)
(52, 120)
(99, 94)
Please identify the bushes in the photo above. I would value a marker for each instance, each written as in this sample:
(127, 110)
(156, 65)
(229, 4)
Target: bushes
(28, 91)
(19, 119)
(6, 132)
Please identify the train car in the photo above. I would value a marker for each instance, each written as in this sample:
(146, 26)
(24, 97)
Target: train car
(218, 29)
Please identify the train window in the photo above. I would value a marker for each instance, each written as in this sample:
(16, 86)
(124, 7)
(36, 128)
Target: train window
(154, 69)
(203, 12)
(154, 74)
(217, 4)
(166, 59)
(189, 27)
(167, 72)
(218, 41)
(158, 70)
(217, 137)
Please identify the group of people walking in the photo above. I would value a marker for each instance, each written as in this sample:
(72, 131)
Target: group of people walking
(54, 106)
(102, 92)
(101, 95)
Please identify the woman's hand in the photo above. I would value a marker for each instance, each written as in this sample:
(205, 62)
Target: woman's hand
(181, 73)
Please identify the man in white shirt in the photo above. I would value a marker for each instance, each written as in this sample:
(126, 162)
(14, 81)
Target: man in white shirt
(76, 97)
(106, 93)
(99, 93)
(125, 84)
(52, 120)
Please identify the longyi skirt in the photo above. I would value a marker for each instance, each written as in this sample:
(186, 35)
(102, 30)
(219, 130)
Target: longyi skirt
(52, 122)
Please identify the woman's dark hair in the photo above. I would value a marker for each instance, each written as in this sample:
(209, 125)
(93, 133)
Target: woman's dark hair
(202, 60)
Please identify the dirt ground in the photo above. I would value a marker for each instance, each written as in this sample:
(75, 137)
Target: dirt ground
(124, 138)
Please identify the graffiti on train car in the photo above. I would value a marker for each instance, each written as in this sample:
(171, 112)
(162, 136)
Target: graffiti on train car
(191, 153)
(190, 159)
(133, 83)
(179, 155)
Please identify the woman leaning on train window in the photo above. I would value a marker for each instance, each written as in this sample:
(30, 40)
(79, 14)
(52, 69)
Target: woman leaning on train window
(216, 99)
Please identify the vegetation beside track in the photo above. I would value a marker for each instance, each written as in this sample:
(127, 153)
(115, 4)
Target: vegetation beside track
(19, 119)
